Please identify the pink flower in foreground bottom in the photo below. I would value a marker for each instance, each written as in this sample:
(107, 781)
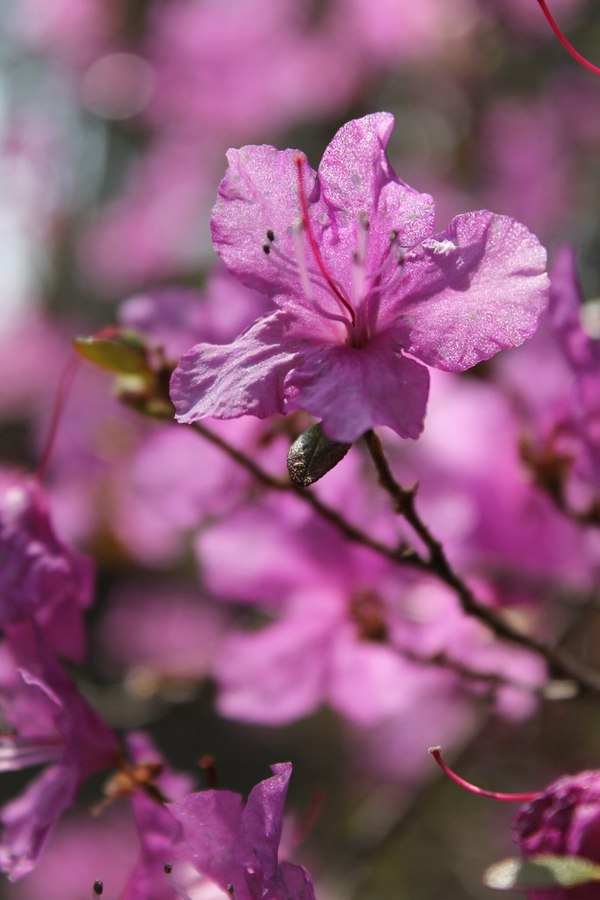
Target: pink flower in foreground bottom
(236, 847)
(361, 286)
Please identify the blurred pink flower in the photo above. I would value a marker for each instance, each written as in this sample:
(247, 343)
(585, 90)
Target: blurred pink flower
(236, 846)
(41, 578)
(212, 80)
(52, 723)
(563, 820)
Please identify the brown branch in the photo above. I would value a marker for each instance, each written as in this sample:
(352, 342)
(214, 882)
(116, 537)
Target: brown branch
(493, 680)
(352, 532)
(437, 563)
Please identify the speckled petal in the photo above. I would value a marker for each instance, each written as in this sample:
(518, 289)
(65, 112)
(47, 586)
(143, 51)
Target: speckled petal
(355, 170)
(259, 193)
(477, 288)
(357, 181)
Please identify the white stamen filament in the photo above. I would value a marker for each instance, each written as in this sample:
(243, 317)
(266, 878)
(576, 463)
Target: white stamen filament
(359, 261)
(21, 753)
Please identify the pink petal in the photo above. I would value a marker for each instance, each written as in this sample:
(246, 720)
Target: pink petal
(369, 681)
(475, 289)
(276, 675)
(357, 180)
(210, 821)
(28, 819)
(259, 192)
(262, 818)
(231, 380)
(353, 389)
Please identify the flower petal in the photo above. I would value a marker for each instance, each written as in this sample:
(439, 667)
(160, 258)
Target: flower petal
(356, 178)
(353, 389)
(28, 819)
(210, 822)
(259, 193)
(477, 288)
(275, 675)
(262, 819)
(230, 380)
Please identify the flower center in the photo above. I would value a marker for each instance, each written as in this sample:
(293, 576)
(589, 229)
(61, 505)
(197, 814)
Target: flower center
(368, 612)
(358, 305)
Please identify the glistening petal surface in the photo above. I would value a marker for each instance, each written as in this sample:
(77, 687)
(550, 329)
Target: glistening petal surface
(475, 289)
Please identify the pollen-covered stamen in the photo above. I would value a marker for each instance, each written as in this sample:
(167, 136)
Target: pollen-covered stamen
(299, 160)
(436, 752)
(97, 888)
(566, 44)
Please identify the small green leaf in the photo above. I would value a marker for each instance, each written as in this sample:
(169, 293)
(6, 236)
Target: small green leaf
(543, 872)
(125, 354)
(312, 455)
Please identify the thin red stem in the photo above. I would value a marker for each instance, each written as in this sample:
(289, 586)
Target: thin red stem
(436, 752)
(64, 386)
(313, 243)
(566, 44)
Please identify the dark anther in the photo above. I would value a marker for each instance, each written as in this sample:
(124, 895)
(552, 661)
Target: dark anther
(393, 235)
(230, 889)
(401, 259)
(270, 234)
(98, 888)
(168, 868)
(266, 249)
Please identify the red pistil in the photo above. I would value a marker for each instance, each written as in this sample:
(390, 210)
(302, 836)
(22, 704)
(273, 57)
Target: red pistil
(436, 752)
(64, 386)
(299, 160)
(566, 44)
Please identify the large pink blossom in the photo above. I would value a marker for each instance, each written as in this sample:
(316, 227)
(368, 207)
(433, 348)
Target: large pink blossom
(362, 286)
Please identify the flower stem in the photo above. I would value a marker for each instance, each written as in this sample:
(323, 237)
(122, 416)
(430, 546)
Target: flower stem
(567, 44)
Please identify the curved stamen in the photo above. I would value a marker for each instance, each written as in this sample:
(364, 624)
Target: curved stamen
(436, 752)
(566, 44)
(299, 160)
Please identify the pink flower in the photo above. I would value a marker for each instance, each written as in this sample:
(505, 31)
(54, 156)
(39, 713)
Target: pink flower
(563, 820)
(51, 723)
(41, 578)
(236, 846)
(361, 284)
